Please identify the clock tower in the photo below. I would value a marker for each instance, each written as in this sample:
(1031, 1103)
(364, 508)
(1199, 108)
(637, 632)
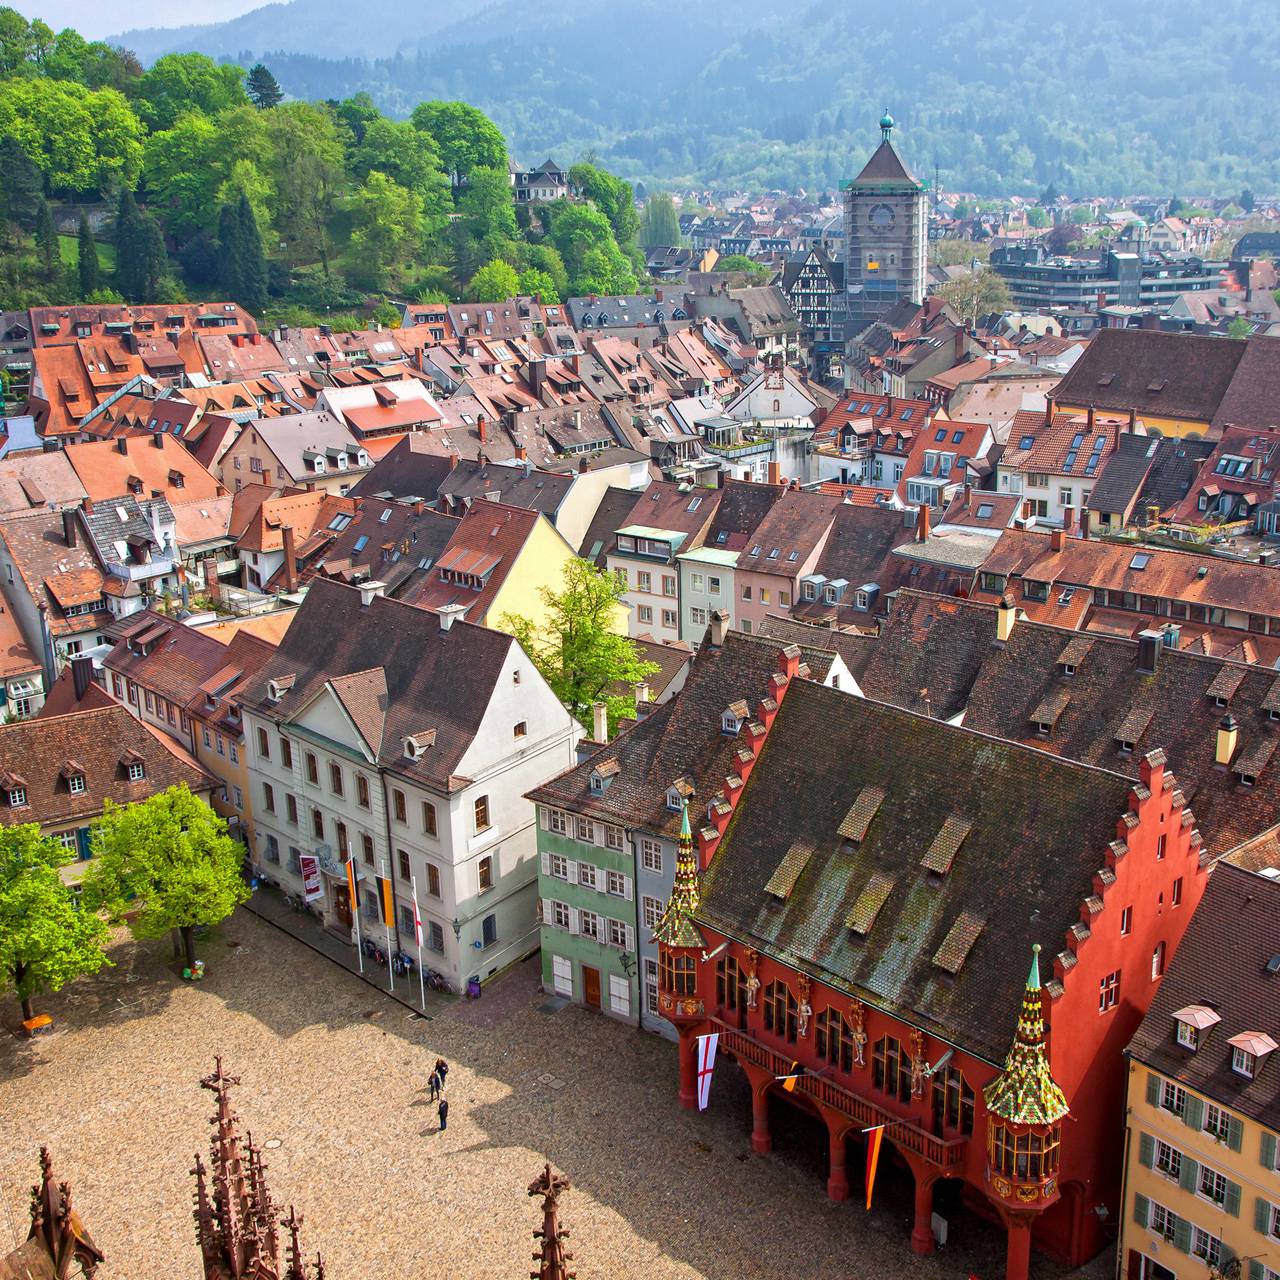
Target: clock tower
(885, 235)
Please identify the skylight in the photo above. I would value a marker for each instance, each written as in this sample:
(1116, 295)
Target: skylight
(1026, 442)
(1140, 561)
(984, 511)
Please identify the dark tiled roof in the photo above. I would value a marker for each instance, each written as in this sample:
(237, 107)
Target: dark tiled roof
(885, 165)
(407, 471)
(174, 661)
(797, 522)
(1124, 474)
(1040, 831)
(35, 751)
(681, 738)
(1253, 397)
(743, 505)
(611, 515)
(1243, 907)
(391, 550)
(435, 679)
(1172, 375)
(855, 648)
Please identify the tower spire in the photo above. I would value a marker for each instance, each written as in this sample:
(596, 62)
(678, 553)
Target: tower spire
(886, 125)
(676, 927)
(552, 1257)
(1025, 1092)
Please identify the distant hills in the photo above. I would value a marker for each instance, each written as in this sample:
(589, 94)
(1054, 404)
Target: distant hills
(1098, 97)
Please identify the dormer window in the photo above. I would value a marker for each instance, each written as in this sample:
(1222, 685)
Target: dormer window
(17, 797)
(76, 784)
(1193, 1024)
(673, 800)
(1243, 1063)
(416, 745)
(277, 688)
(137, 770)
(1247, 1051)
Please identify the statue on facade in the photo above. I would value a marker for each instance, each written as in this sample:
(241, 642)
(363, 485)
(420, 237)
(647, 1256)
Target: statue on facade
(753, 977)
(804, 988)
(858, 1031)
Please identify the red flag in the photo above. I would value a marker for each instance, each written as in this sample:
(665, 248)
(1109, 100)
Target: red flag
(873, 1157)
(417, 919)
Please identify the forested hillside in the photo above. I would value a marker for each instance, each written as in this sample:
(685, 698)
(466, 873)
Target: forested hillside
(195, 179)
(1100, 96)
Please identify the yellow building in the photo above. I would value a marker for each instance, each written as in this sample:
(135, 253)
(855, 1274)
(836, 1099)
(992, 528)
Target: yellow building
(1202, 1183)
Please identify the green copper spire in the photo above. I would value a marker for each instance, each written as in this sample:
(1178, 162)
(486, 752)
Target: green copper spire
(1025, 1092)
(676, 927)
(886, 124)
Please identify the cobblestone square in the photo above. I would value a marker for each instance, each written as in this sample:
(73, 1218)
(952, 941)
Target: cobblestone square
(333, 1084)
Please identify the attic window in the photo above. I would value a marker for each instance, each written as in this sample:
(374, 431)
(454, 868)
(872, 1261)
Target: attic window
(277, 688)
(76, 784)
(946, 844)
(694, 504)
(955, 947)
(17, 797)
(1224, 684)
(732, 718)
(858, 820)
(416, 744)
(385, 516)
(1026, 442)
(1139, 562)
(984, 511)
(137, 770)
(793, 863)
(1046, 715)
(1250, 763)
(1191, 1022)
(862, 915)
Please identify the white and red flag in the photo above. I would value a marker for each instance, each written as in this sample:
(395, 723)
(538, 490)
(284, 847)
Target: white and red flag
(706, 1061)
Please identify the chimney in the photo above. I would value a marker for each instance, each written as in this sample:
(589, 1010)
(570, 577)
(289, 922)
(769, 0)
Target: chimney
(719, 621)
(290, 559)
(599, 722)
(453, 461)
(1089, 418)
(1228, 734)
(584, 464)
(922, 523)
(577, 419)
(482, 426)
(1133, 421)
(1006, 616)
(657, 295)
(1048, 411)
(1149, 643)
(1057, 540)
(642, 692)
(157, 440)
(449, 614)
(81, 674)
(370, 589)
(968, 494)
(521, 453)
(775, 473)
(959, 347)
(1068, 519)
(537, 376)
(69, 527)
(212, 587)
(122, 445)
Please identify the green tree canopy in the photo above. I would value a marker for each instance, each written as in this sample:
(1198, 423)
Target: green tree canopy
(46, 939)
(409, 157)
(740, 262)
(578, 650)
(183, 82)
(584, 239)
(387, 226)
(141, 260)
(263, 89)
(660, 225)
(975, 294)
(87, 260)
(165, 863)
(612, 196)
(80, 139)
(357, 113)
(494, 282)
(537, 283)
(465, 137)
(306, 172)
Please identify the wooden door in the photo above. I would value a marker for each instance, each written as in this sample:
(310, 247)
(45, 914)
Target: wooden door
(342, 905)
(591, 986)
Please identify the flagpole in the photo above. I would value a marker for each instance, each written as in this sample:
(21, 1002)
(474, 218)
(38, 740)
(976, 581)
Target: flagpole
(353, 885)
(388, 905)
(417, 933)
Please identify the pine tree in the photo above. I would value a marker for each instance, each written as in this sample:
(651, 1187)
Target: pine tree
(21, 188)
(141, 258)
(253, 263)
(46, 240)
(90, 274)
(230, 280)
(264, 89)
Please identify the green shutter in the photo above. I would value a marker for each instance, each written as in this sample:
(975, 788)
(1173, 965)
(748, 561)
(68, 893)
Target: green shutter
(1153, 1089)
(1146, 1150)
(1255, 1269)
(1141, 1210)
(1193, 1113)
(1268, 1150)
(1261, 1215)
(1235, 1134)
(1228, 1256)
(1182, 1235)
(1232, 1203)
(1187, 1174)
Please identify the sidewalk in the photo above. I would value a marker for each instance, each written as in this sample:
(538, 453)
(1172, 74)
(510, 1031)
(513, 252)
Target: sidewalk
(267, 904)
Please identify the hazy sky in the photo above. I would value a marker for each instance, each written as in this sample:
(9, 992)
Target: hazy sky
(97, 18)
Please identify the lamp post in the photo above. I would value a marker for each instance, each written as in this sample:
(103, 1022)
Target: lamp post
(629, 967)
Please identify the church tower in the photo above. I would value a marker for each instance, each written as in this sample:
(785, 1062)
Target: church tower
(885, 235)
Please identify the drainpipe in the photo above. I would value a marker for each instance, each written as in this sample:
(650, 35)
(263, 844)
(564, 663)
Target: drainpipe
(635, 902)
(46, 648)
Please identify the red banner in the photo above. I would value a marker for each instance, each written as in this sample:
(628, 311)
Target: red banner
(312, 887)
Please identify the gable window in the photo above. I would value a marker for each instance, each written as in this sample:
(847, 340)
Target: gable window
(76, 784)
(521, 730)
(137, 771)
(17, 797)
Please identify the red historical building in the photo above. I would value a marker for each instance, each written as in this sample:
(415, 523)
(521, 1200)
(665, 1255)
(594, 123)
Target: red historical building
(862, 901)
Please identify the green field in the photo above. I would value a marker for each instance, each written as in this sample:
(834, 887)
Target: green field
(68, 247)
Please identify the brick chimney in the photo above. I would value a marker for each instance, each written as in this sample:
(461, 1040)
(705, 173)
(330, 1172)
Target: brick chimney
(599, 722)
(775, 473)
(482, 427)
(1068, 519)
(719, 621)
(212, 587)
(922, 523)
(69, 527)
(157, 440)
(290, 559)
(1057, 540)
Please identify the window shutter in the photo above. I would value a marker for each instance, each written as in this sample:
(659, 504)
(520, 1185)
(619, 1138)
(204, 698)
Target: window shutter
(626, 890)
(1228, 1256)
(572, 873)
(1261, 1215)
(1232, 1202)
(1141, 1209)
(546, 912)
(1235, 1134)
(1182, 1235)
(546, 863)
(631, 938)
(1146, 1150)
(1193, 1113)
(1153, 1088)
(1188, 1173)
(1268, 1150)
(599, 833)
(574, 919)
(1255, 1269)
(542, 816)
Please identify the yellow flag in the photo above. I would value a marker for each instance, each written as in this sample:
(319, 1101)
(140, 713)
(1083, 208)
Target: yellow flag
(873, 1157)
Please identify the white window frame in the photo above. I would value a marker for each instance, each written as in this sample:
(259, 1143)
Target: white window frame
(588, 875)
(558, 821)
(650, 911)
(559, 914)
(613, 838)
(562, 976)
(1173, 1098)
(651, 856)
(620, 995)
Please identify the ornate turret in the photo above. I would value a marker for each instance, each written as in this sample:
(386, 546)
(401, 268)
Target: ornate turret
(886, 124)
(552, 1257)
(1025, 1110)
(680, 946)
(234, 1213)
(57, 1245)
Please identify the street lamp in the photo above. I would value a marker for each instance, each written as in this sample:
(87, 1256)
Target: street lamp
(457, 929)
(628, 962)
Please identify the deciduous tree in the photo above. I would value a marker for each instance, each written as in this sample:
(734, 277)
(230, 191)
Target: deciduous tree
(387, 226)
(660, 225)
(466, 138)
(494, 282)
(306, 169)
(538, 283)
(46, 938)
(165, 863)
(975, 294)
(579, 650)
(183, 82)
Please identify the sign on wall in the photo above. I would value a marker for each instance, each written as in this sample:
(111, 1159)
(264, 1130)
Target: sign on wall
(312, 888)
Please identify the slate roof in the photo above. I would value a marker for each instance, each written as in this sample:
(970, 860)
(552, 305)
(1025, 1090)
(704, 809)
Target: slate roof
(1172, 375)
(682, 738)
(1252, 398)
(1243, 907)
(407, 542)
(1124, 474)
(410, 470)
(35, 751)
(434, 679)
(1039, 833)
(855, 648)
(615, 506)
(743, 507)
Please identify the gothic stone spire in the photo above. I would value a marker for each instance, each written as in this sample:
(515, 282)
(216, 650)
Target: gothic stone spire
(676, 927)
(1025, 1092)
(57, 1227)
(553, 1258)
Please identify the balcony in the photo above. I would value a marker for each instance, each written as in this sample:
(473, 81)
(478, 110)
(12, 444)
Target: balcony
(157, 567)
(947, 1154)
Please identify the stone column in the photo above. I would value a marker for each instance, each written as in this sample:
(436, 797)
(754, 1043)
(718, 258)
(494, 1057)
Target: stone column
(1018, 1258)
(837, 1178)
(688, 1051)
(922, 1227)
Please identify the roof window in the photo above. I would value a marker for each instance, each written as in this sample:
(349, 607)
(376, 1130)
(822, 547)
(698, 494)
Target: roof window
(1139, 561)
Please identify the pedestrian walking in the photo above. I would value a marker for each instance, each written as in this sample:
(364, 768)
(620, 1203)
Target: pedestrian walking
(433, 1086)
(444, 1114)
(442, 1070)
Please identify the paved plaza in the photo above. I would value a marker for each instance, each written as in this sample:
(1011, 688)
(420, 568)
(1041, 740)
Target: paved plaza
(333, 1085)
